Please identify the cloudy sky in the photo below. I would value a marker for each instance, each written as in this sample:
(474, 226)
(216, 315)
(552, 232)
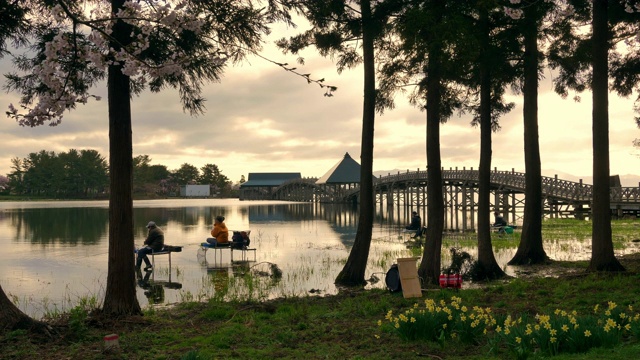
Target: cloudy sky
(263, 119)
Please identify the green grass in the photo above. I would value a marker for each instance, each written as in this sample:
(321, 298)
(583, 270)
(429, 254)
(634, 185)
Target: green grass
(342, 326)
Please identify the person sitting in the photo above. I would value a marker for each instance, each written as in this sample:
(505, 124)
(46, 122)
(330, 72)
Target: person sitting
(499, 222)
(219, 233)
(153, 242)
(415, 222)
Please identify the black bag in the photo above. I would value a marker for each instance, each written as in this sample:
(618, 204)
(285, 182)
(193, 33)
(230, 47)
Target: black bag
(171, 248)
(240, 240)
(393, 279)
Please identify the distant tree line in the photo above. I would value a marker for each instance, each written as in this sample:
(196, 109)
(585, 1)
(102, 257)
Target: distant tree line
(85, 174)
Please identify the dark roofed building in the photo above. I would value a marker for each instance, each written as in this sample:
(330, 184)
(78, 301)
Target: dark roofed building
(340, 180)
(347, 171)
(260, 186)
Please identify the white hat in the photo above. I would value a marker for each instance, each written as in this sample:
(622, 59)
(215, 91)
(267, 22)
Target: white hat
(151, 224)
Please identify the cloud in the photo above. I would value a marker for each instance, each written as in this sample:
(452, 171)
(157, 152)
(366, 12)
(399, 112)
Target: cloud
(260, 118)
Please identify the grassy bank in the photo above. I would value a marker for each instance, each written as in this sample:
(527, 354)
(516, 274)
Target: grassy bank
(344, 326)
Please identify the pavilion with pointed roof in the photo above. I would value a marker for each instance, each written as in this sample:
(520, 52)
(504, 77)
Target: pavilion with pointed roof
(346, 171)
(341, 178)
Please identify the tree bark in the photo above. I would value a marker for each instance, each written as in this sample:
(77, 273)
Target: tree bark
(353, 272)
(487, 266)
(530, 249)
(11, 318)
(120, 294)
(602, 255)
(430, 266)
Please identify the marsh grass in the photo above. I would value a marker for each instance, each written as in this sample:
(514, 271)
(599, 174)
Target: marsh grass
(344, 326)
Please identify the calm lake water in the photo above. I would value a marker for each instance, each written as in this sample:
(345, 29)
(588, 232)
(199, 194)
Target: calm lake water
(55, 253)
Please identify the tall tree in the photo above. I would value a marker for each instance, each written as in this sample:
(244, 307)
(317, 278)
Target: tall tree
(16, 176)
(583, 59)
(530, 249)
(437, 54)
(427, 53)
(147, 178)
(212, 175)
(179, 44)
(340, 27)
(186, 174)
(14, 26)
(602, 256)
(487, 266)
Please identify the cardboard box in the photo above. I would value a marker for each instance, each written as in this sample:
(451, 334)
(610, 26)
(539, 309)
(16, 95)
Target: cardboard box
(409, 277)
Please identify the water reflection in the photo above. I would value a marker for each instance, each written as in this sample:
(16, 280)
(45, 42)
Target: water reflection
(84, 226)
(55, 252)
(154, 288)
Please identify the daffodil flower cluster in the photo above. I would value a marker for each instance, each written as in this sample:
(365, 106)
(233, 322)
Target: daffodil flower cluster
(550, 334)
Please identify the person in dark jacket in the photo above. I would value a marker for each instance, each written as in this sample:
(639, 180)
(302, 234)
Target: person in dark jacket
(499, 223)
(153, 242)
(499, 220)
(416, 222)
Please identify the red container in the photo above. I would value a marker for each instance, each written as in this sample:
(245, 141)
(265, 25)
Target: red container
(443, 281)
(455, 281)
(451, 281)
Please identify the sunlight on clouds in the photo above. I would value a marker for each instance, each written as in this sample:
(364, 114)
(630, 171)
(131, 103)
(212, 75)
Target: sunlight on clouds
(157, 139)
(259, 128)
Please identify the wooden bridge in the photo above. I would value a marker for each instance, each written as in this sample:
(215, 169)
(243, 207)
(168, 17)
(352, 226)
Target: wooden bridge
(560, 197)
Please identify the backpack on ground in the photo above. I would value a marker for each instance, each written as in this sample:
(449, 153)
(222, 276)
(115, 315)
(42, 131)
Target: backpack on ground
(393, 279)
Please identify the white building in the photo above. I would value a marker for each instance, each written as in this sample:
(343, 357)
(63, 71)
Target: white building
(195, 190)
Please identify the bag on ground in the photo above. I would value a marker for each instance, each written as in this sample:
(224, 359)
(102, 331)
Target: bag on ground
(393, 279)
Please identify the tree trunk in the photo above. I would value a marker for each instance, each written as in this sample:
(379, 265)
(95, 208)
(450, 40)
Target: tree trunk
(353, 272)
(120, 294)
(530, 249)
(430, 266)
(602, 256)
(487, 266)
(11, 318)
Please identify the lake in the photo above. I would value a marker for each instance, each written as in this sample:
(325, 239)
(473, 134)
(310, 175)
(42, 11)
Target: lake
(55, 253)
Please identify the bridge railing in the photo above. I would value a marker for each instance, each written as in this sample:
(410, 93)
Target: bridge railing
(551, 186)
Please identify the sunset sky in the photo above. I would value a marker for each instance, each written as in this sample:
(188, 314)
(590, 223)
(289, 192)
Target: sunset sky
(263, 119)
